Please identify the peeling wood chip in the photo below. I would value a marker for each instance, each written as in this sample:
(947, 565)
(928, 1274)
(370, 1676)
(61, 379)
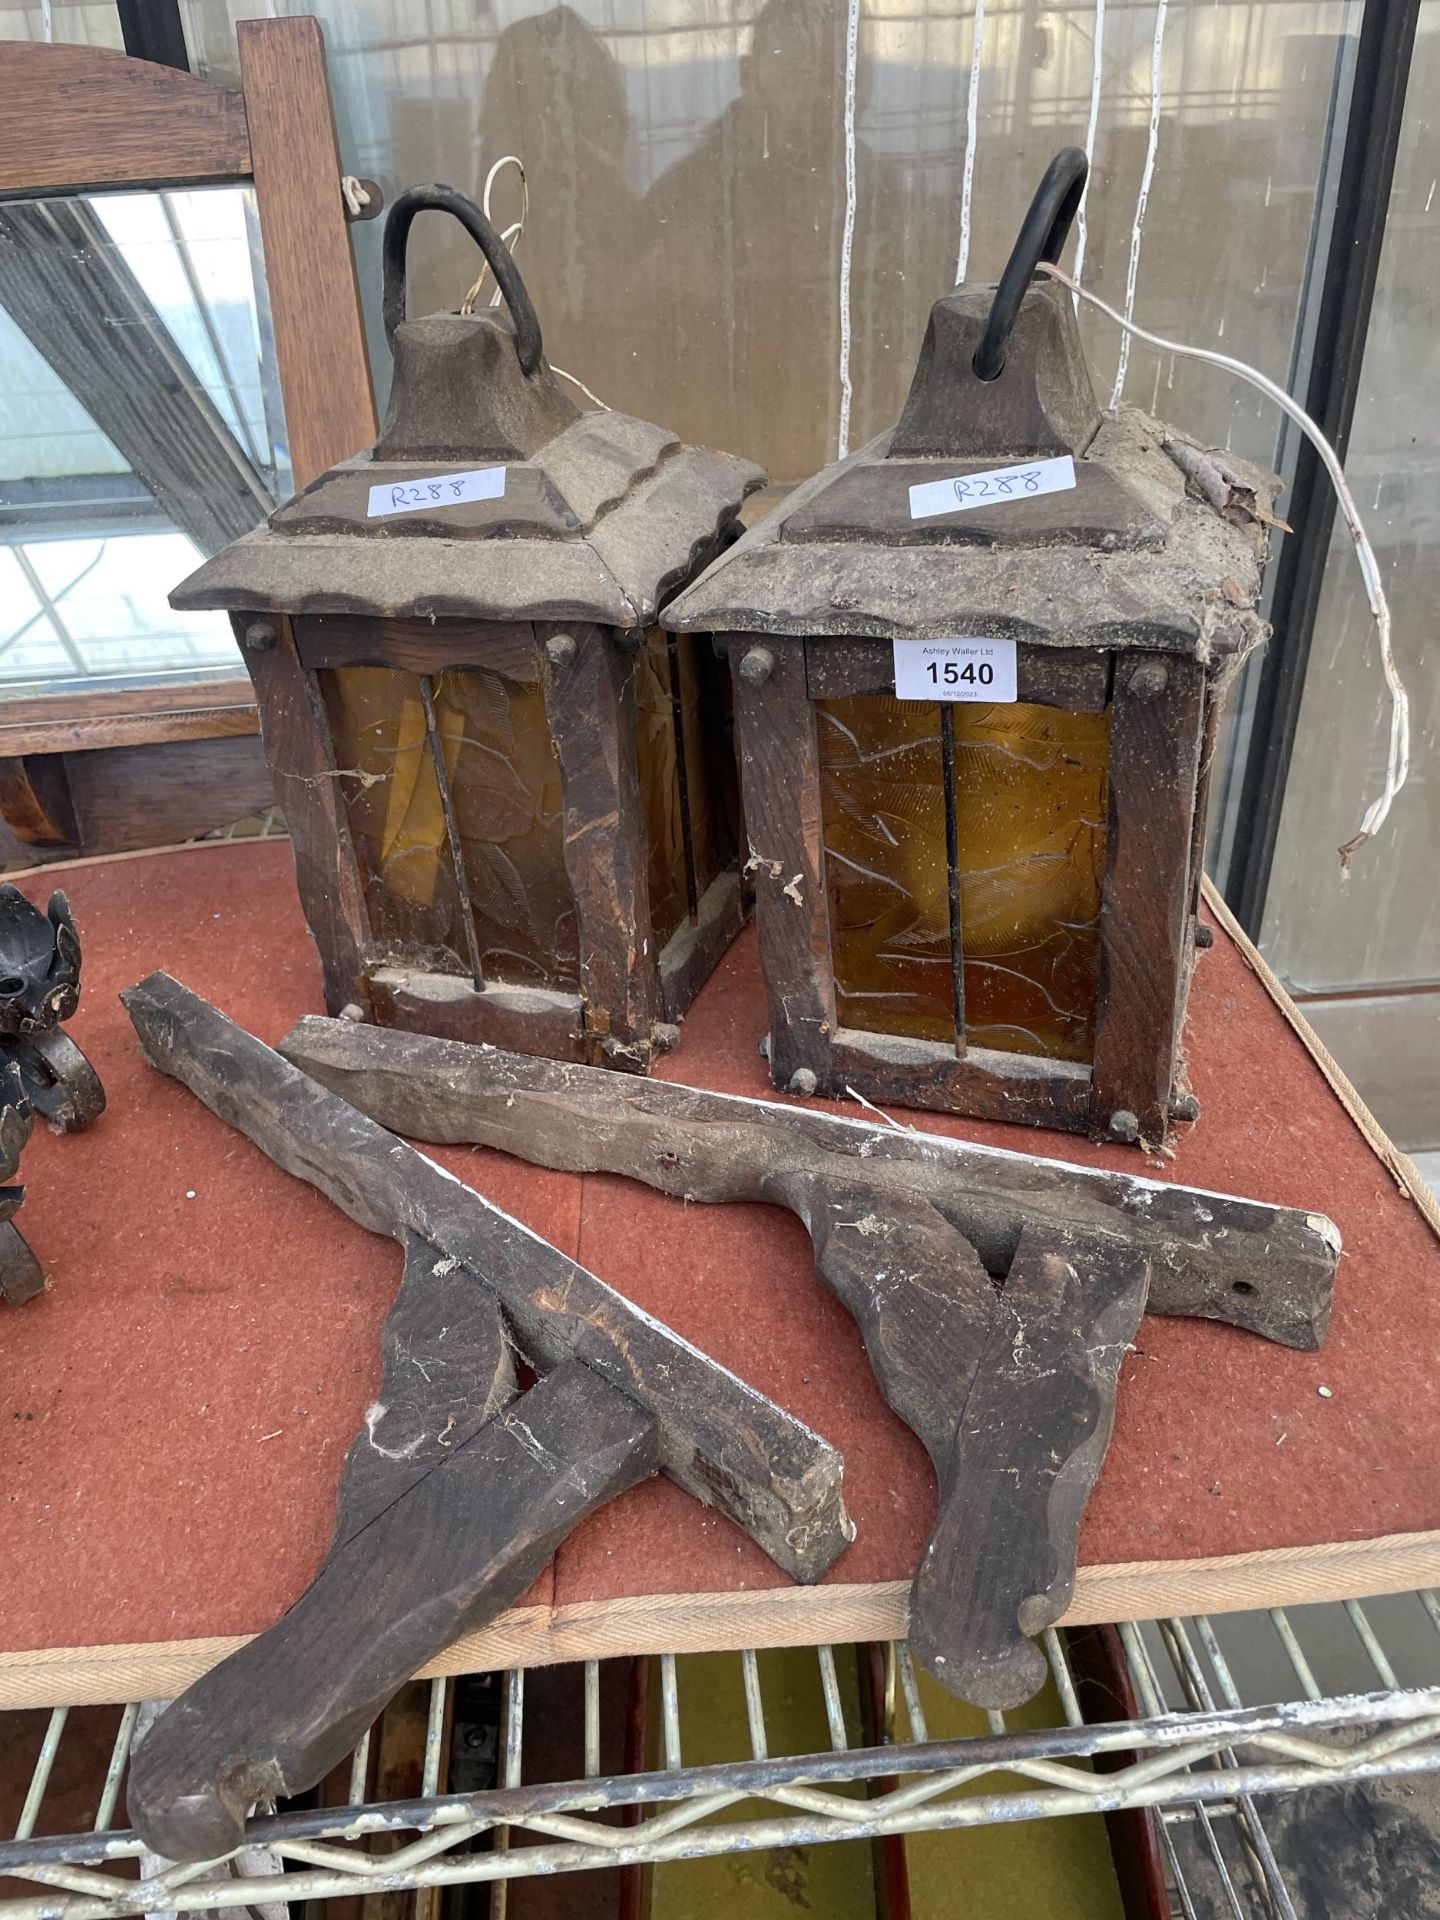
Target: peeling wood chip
(1215, 480)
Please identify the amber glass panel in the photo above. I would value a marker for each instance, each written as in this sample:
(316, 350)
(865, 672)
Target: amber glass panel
(673, 676)
(392, 804)
(504, 781)
(1030, 802)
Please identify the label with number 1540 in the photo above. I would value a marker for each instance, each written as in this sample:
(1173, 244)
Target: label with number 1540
(958, 669)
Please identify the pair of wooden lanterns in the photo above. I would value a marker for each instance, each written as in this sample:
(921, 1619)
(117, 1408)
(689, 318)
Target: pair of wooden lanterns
(976, 673)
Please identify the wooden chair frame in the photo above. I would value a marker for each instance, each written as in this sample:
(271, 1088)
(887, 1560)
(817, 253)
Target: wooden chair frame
(79, 119)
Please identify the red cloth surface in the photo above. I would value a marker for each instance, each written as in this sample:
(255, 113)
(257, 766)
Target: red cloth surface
(175, 1410)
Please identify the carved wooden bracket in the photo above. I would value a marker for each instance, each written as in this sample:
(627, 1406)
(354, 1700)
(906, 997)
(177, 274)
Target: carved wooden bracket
(454, 1497)
(997, 1294)
(456, 1493)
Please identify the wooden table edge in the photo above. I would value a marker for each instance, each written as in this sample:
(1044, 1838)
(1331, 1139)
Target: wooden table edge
(1397, 1163)
(772, 1617)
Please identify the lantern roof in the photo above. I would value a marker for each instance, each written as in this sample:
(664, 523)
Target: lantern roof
(1070, 528)
(489, 495)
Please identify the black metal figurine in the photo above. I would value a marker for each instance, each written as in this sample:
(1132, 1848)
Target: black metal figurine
(42, 1071)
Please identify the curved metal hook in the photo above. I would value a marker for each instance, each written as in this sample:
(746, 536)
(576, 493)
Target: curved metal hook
(1043, 234)
(442, 199)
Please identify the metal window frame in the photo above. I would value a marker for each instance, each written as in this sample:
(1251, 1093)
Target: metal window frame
(1372, 141)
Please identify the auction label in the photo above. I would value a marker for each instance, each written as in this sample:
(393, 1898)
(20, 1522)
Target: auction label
(955, 669)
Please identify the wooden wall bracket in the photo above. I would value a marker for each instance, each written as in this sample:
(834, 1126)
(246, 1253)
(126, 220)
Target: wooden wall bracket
(996, 1293)
(455, 1494)
(1265, 1269)
(719, 1439)
(454, 1497)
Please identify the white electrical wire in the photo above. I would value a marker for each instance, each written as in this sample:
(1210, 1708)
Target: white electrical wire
(1082, 230)
(847, 242)
(1142, 199)
(1398, 766)
(972, 116)
(511, 237)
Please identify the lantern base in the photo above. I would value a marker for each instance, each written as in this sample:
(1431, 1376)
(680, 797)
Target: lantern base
(539, 1020)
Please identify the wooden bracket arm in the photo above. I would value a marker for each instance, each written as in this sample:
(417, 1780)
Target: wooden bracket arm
(996, 1293)
(999, 1565)
(455, 1549)
(718, 1438)
(1266, 1269)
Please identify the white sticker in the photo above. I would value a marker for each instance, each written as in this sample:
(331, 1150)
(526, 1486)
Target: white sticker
(444, 490)
(971, 490)
(955, 669)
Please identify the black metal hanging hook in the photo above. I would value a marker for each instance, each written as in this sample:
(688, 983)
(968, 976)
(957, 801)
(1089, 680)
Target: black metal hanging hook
(1042, 236)
(441, 199)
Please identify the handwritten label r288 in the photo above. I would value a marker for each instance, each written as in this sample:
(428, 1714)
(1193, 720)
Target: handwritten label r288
(439, 490)
(992, 488)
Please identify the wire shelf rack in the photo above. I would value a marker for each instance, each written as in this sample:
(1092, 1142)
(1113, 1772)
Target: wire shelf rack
(1199, 1752)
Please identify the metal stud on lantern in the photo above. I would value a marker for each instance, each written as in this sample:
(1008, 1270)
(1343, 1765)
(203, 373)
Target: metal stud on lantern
(511, 794)
(977, 669)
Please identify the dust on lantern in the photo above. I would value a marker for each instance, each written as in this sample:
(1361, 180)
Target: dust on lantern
(511, 794)
(977, 672)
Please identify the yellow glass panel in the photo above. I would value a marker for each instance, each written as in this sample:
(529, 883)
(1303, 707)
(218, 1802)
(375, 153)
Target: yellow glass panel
(505, 786)
(505, 779)
(397, 825)
(1030, 802)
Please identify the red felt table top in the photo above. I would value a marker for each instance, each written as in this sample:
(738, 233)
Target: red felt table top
(175, 1410)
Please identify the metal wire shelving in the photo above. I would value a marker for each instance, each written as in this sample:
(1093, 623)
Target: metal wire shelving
(1198, 1752)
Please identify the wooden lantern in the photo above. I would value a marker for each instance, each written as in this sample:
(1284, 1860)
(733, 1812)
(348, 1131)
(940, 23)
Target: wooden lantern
(977, 672)
(511, 793)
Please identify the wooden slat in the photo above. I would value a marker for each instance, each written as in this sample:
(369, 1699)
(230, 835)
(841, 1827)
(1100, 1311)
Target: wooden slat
(74, 296)
(301, 757)
(780, 762)
(102, 703)
(1077, 678)
(1155, 732)
(132, 717)
(309, 268)
(771, 1617)
(590, 705)
(887, 1067)
(79, 117)
(501, 1016)
(131, 797)
(506, 647)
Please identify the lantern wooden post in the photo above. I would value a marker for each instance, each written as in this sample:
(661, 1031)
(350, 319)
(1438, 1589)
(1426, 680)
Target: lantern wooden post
(780, 772)
(301, 755)
(589, 686)
(1157, 713)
